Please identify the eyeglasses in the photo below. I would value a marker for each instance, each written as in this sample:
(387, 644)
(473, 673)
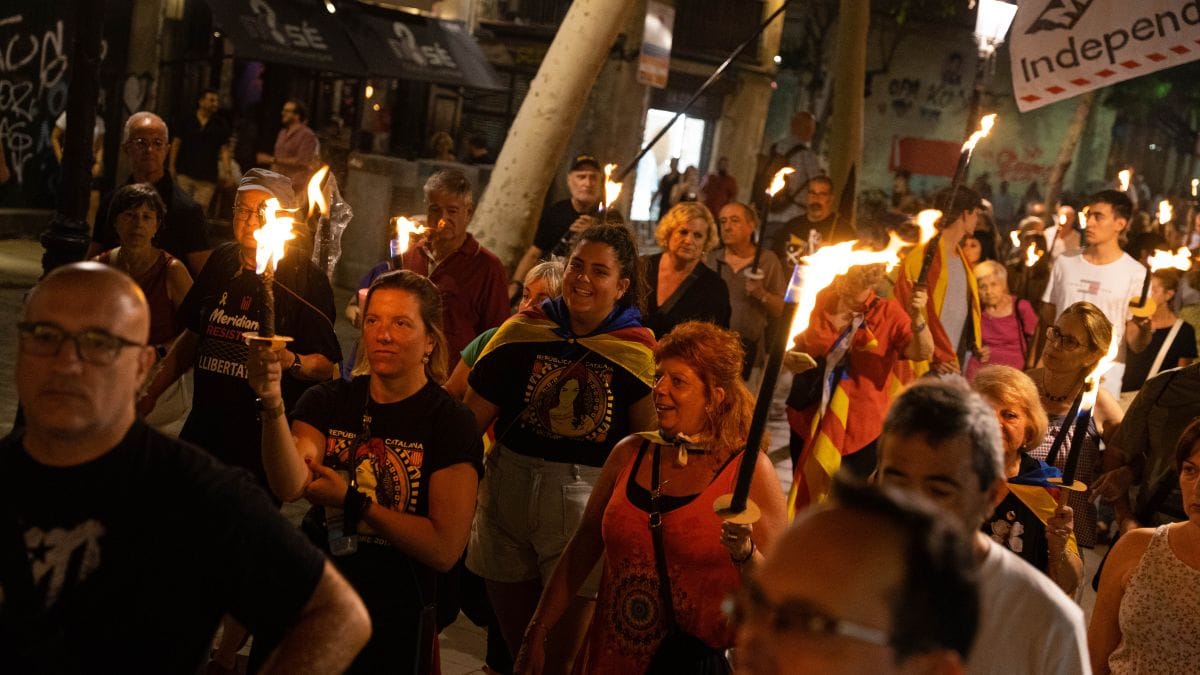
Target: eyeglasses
(243, 213)
(93, 346)
(1065, 342)
(795, 616)
(144, 144)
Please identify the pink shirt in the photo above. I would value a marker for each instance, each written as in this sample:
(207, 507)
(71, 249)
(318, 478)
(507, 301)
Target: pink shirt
(1002, 336)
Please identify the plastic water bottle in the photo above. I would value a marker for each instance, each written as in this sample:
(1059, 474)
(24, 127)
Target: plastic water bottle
(340, 541)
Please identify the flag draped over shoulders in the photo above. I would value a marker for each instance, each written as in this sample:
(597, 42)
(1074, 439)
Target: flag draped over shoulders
(1038, 489)
(621, 338)
(938, 282)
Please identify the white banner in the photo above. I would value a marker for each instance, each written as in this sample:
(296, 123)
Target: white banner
(1063, 48)
(655, 63)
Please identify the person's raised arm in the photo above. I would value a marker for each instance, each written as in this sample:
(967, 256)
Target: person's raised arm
(1104, 632)
(287, 453)
(332, 628)
(747, 544)
(920, 347)
(577, 561)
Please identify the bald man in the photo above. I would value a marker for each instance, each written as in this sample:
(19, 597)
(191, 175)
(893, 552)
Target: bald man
(184, 231)
(134, 544)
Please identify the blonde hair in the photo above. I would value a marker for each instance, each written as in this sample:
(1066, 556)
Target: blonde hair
(1099, 328)
(679, 215)
(1013, 389)
(551, 272)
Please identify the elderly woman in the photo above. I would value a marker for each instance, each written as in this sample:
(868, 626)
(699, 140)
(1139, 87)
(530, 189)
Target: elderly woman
(1027, 522)
(1074, 345)
(1008, 324)
(854, 340)
(682, 287)
(704, 415)
(564, 382)
(544, 281)
(390, 463)
(1148, 608)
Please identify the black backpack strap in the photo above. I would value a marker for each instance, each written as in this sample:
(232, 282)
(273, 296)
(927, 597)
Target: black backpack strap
(660, 554)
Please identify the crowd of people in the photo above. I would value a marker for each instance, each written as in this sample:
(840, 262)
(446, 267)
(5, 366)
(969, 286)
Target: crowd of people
(553, 472)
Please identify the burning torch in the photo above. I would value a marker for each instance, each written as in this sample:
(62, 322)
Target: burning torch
(1181, 260)
(272, 240)
(777, 183)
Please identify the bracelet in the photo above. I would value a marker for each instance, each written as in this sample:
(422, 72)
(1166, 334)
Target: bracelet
(739, 562)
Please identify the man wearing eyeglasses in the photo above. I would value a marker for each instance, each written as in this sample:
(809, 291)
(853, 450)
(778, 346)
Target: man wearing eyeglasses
(123, 547)
(942, 440)
(184, 231)
(874, 582)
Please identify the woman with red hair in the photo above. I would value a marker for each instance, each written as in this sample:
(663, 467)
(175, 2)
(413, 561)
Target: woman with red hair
(704, 412)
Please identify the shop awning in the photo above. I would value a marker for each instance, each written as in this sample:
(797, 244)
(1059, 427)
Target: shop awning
(288, 32)
(409, 47)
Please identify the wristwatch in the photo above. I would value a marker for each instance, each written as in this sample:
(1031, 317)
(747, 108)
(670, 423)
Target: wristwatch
(294, 369)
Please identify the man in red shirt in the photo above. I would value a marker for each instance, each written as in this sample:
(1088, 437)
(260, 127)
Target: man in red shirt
(719, 188)
(470, 277)
(296, 147)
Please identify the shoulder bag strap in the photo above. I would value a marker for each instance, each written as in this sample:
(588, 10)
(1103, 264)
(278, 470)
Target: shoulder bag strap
(1166, 347)
(1021, 330)
(687, 283)
(660, 559)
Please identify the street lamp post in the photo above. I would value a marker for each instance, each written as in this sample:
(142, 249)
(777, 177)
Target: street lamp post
(991, 26)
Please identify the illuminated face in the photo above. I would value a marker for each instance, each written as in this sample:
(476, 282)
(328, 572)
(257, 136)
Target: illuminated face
(1015, 429)
(820, 200)
(679, 398)
(584, 185)
(246, 219)
(1067, 346)
(944, 473)
(394, 333)
(688, 240)
(992, 290)
(1103, 225)
(448, 215)
(592, 283)
(288, 115)
(736, 228)
(147, 147)
(533, 293)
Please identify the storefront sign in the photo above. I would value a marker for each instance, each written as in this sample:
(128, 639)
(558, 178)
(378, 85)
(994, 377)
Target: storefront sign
(424, 50)
(283, 31)
(655, 62)
(1063, 48)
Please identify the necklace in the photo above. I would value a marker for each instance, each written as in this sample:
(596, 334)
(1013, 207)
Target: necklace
(1051, 397)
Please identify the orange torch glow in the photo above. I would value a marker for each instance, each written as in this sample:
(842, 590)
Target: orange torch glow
(273, 236)
(985, 127)
(1165, 212)
(612, 189)
(405, 229)
(316, 196)
(780, 180)
(1123, 177)
(927, 223)
(1180, 260)
(1032, 255)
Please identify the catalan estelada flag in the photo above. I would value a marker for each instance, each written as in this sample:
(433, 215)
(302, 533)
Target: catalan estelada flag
(938, 281)
(621, 338)
(822, 454)
(1040, 494)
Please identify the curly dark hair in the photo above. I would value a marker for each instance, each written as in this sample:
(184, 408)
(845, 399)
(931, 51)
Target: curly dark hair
(620, 239)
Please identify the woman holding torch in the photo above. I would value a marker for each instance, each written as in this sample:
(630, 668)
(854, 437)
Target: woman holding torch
(1074, 345)
(390, 463)
(704, 415)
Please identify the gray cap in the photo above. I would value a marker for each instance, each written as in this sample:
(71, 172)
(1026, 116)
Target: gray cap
(277, 185)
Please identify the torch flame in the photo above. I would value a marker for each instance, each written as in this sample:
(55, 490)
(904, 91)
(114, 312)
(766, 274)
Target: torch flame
(817, 271)
(1195, 184)
(405, 229)
(1165, 212)
(316, 196)
(927, 223)
(780, 180)
(1091, 384)
(1062, 220)
(1015, 238)
(985, 126)
(612, 189)
(1032, 255)
(1123, 177)
(272, 236)
(1180, 260)
(1083, 216)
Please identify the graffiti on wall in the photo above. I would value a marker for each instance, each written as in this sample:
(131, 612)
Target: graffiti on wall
(927, 100)
(1018, 164)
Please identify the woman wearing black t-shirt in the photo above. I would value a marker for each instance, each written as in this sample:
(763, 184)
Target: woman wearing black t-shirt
(390, 463)
(564, 382)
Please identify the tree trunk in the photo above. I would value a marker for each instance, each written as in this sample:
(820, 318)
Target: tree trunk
(849, 81)
(1066, 152)
(66, 239)
(532, 154)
